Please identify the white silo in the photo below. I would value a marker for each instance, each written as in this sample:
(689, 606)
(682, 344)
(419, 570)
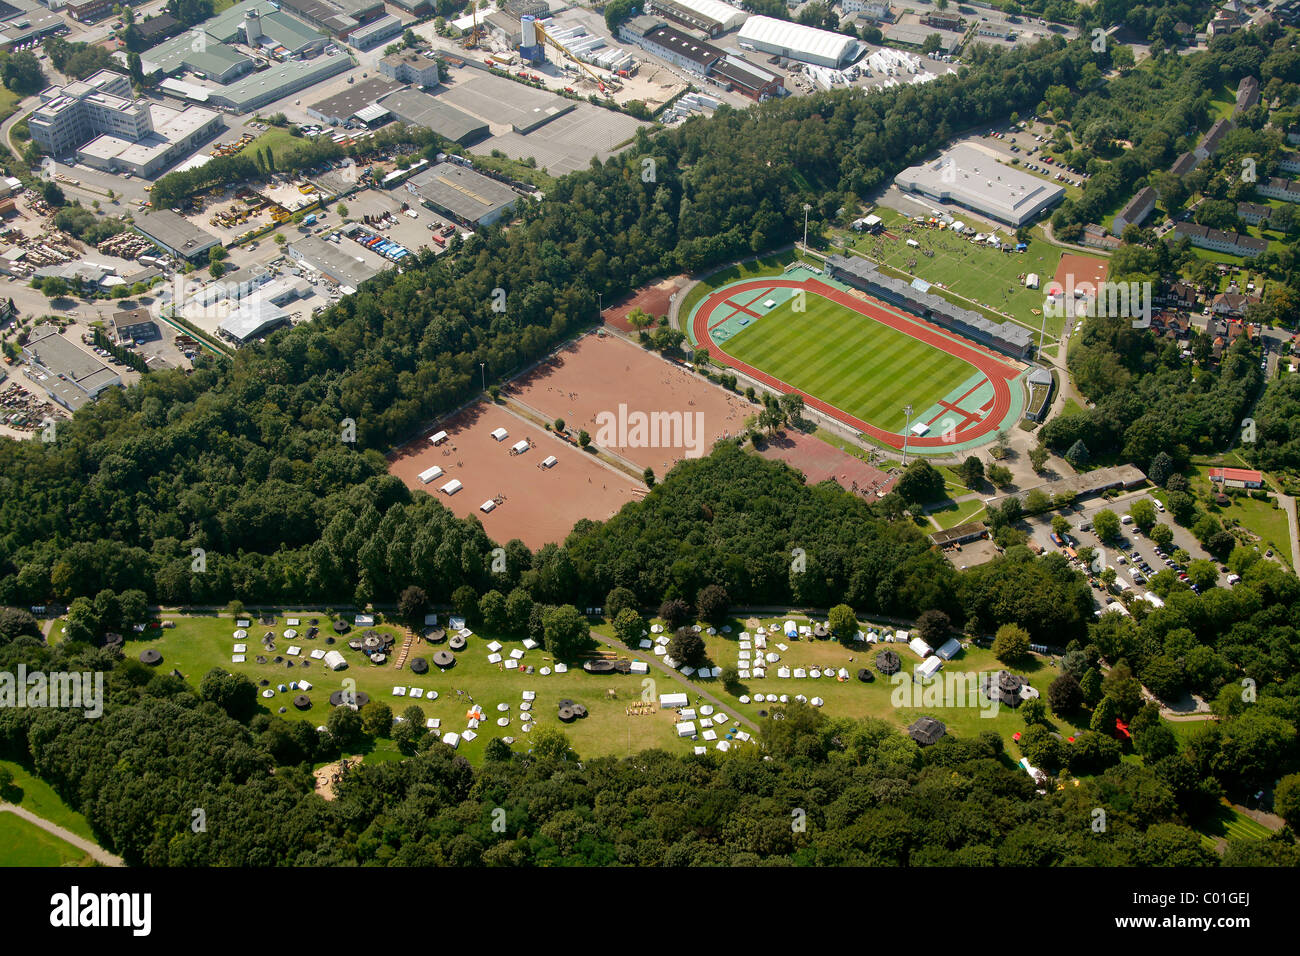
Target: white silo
(253, 27)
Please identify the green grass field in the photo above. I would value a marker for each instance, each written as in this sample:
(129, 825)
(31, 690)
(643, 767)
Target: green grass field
(39, 797)
(856, 364)
(197, 644)
(771, 265)
(1229, 823)
(981, 274)
(25, 844)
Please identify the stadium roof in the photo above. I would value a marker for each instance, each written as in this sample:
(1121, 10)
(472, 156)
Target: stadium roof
(797, 39)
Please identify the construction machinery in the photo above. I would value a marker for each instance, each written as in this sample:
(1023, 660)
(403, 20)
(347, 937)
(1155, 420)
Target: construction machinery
(472, 41)
(607, 87)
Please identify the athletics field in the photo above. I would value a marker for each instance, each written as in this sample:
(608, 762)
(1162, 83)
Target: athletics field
(861, 361)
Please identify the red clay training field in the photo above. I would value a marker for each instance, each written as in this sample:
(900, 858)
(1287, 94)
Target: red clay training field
(595, 375)
(999, 374)
(541, 504)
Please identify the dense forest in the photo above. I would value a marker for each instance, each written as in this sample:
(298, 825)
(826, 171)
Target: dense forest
(244, 459)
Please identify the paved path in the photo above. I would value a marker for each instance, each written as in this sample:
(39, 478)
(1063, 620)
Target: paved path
(100, 855)
(681, 679)
(1288, 505)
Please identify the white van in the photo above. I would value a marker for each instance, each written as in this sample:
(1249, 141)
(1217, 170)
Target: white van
(1127, 519)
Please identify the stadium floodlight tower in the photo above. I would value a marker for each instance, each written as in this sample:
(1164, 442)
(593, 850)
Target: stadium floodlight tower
(806, 208)
(907, 430)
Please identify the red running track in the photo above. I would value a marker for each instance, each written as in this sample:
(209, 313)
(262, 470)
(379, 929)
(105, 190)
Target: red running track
(999, 374)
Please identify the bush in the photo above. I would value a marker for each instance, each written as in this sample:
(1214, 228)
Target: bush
(1011, 644)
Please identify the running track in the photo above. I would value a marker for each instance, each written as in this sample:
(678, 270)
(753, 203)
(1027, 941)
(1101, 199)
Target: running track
(999, 374)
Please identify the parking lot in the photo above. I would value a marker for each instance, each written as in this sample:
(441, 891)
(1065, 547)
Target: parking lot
(1133, 552)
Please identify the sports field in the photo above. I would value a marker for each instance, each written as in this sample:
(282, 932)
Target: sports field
(860, 361)
(851, 361)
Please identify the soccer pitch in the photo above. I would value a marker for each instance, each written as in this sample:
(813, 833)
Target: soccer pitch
(849, 360)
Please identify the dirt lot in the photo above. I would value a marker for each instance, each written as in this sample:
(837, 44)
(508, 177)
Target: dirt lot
(623, 383)
(540, 504)
(653, 299)
(819, 461)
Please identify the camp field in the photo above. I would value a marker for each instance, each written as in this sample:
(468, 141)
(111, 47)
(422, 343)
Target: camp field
(983, 275)
(849, 360)
(198, 644)
(880, 698)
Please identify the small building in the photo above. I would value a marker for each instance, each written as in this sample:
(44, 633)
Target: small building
(462, 194)
(1253, 213)
(134, 326)
(408, 66)
(376, 32)
(253, 319)
(961, 534)
(1247, 95)
(69, 374)
(176, 235)
(1237, 477)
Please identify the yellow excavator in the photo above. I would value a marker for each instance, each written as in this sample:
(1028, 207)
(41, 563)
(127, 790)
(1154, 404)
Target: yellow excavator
(471, 42)
(607, 87)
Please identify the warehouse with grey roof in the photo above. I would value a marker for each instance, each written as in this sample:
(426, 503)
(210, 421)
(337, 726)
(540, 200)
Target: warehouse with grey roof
(969, 177)
(470, 198)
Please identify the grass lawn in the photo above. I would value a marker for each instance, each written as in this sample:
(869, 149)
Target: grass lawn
(39, 797)
(1228, 823)
(516, 170)
(979, 273)
(1258, 517)
(9, 101)
(197, 644)
(280, 141)
(25, 844)
(851, 361)
(953, 514)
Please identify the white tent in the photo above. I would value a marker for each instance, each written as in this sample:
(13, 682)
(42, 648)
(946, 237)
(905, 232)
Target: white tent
(919, 647)
(519, 447)
(686, 729)
(437, 438)
(639, 667)
(429, 474)
(500, 434)
(928, 668)
(669, 701)
(549, 461)
(451, 738)
(949, 649)
(451, 487)
(791, 629)
(487, 506)
(334, 661)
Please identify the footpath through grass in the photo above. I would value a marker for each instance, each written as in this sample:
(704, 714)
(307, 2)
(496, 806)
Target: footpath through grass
(36, 795)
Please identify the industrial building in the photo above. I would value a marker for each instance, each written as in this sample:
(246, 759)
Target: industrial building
(336, 17)
(153, 30)
(70, 375)
(969, 177)
(341, 107)
(89, 11)
(798, 42)
(408, 66)
(278, 82)
(746, 78)
(253, 319)
(420, 109)
(862, 274)
(30, 26)
(469, 198)
(678, 48)
(136, 325)
(176, 235)
(708, 16)
(347, 266)
(375, 32)
(99, 120)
